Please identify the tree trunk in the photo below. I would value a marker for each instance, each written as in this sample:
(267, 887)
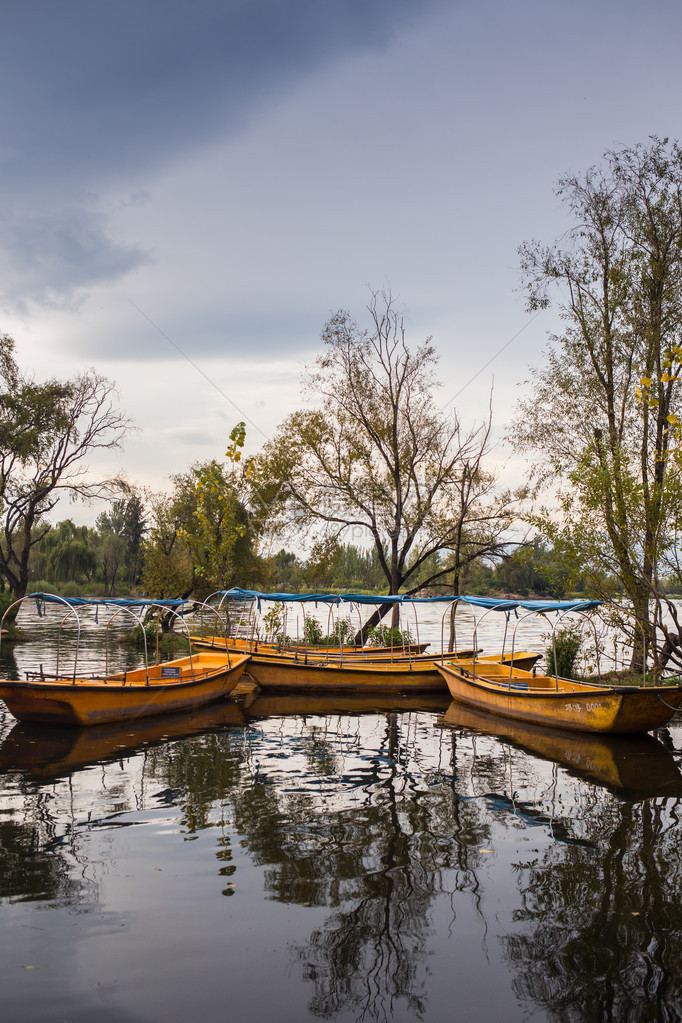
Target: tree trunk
(642, 640)
(374, 619)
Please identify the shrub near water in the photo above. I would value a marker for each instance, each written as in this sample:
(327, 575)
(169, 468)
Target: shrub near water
(566, 644)
(384, 635)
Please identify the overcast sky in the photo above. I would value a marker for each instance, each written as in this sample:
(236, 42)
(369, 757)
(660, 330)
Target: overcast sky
(190, 190)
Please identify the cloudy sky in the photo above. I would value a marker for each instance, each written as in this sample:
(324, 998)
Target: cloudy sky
(190, 190)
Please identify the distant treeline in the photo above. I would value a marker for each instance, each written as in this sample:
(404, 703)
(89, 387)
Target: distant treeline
(532, 568)
(109, 559)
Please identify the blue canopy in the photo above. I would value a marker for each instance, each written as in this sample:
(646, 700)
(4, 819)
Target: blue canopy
(489, 603)
(53, 598)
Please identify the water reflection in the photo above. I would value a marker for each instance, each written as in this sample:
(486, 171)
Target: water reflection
(635, 766)
(422, 861)
(48, 752)
(601, 933)
(604, 934)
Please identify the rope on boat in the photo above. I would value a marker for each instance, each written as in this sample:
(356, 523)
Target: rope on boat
(666, 704)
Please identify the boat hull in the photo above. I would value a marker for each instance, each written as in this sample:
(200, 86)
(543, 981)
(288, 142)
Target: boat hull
(575, 706)
(272, 674)
(202, 679)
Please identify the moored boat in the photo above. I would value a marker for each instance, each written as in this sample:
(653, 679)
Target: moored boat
(283, 673)
(173, 686)
(313, 672)
(75, 697)
(558, 702)
(265, 649)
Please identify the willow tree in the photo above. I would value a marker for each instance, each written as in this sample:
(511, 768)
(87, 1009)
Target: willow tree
(374, 458)
(66, 553)
(598, 415)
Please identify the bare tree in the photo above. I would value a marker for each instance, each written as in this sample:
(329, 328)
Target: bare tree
(377, 458)
(47, 433)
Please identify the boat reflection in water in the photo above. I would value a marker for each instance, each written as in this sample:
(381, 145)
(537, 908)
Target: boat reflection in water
(42, 751)
(635, 766)
(304, 704)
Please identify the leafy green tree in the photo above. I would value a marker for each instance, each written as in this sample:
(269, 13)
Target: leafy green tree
(598, 414)
(167, 567)
(479, 578)
(200, 537)
(284, 572)
(378, 458)
(534, 568)
(121, 531)
(111, 546)
(134, 528)
(47, 433)
(323, 562)
(357, 568)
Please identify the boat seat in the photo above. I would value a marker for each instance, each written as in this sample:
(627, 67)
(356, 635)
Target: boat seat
(502, 682)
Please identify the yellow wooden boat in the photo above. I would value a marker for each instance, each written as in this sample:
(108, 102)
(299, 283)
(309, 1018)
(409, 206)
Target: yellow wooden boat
(170, 687)
(639, 764)
(282, 673)
(264, 649)
(72, 697)
(367, 657)
(559, 702)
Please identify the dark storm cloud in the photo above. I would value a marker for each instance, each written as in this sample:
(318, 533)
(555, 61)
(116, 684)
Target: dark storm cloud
(51, 254)
(104, 92)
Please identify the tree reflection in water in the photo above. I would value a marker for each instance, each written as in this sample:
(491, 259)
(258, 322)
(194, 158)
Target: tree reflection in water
(603, 933)
(388, 825)
(380, 864)
(371, 839)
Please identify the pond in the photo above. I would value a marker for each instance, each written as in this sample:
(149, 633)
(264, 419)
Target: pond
(293, 859)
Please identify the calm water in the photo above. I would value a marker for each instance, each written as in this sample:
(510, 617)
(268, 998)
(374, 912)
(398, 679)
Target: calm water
(277, 858)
